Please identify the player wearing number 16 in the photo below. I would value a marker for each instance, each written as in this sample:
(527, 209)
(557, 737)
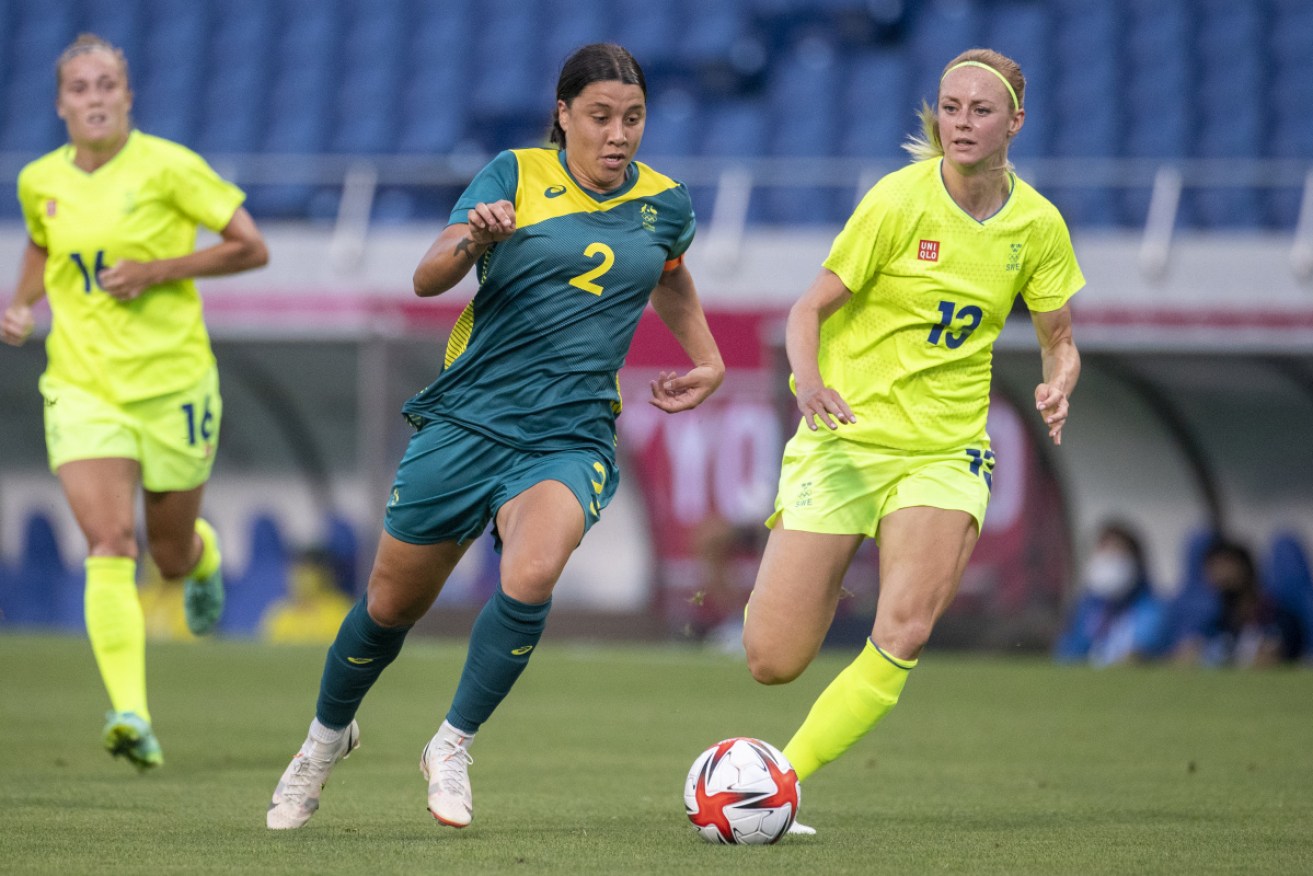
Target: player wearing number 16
(518, 429)
(131, 390)
(891, 349)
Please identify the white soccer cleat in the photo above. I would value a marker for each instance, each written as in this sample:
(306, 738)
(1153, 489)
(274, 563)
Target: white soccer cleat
(800, 829)
(297, 796)
(446, 765)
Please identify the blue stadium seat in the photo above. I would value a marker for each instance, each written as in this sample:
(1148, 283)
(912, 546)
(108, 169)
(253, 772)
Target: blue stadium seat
(1024, 31)
(651, 30)
(569, 24)
(33, 592)
(673, 123)
(366, 106)
(519, 83)
(263, 581)
(733, 127)
(876, 105)
(808, 76)
(122, 22)
(342, 544)
(29, 121)
(938, 33)
(431, 120)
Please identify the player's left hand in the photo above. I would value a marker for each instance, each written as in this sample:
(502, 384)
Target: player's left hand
(127, 279)
(672, 393)
(1051, 403)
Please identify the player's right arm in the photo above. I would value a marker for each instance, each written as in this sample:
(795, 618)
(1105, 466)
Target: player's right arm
(802, 342)
(461, 244)
(17, 322)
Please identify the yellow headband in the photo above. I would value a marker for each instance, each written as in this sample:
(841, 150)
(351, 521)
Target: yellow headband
(1016, 104)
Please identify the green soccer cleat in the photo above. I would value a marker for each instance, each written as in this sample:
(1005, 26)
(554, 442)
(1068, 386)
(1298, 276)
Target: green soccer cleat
(128, 735)
(202, 598)
(202, 595)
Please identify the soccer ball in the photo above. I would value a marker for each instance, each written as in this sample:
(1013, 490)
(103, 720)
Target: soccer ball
(741, 791)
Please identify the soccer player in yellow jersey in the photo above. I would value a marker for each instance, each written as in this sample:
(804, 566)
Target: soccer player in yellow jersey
(890, 349)
(131, 389)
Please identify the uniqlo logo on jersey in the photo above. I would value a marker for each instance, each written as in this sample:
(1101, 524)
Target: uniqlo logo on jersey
(929, 251)
(50, 207)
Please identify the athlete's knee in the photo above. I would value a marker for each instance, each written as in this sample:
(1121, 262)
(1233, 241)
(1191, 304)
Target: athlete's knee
(112, 541)
(903, 638)
(530, 581)
(390, 609)
(175, 557)
(771, 665)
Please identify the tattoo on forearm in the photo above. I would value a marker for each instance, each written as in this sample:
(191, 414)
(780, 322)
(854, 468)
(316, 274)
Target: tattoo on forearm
(466, 247)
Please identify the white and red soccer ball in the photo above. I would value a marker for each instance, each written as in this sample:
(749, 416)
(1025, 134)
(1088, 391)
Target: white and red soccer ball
(741, 791)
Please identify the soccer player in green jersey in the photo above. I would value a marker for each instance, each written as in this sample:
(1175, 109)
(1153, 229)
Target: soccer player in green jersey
(890, 349)
(131, 390)
(518, 430)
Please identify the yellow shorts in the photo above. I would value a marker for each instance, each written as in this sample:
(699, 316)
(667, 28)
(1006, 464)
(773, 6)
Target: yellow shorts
(832, 485)
(173, 436)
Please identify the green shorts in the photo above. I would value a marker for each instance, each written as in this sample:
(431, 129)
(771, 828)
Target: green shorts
(832, 485)
(452, 481)
(172, 436)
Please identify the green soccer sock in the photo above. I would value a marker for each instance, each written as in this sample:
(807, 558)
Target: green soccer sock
(117, 630)
(504, 636)
(359, 654)
(854, 702)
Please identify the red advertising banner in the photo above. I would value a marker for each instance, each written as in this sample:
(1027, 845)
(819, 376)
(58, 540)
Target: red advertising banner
(708, 478)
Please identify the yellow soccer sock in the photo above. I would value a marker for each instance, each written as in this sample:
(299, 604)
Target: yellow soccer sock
(859, 696)
(117, 630)
(209, 560)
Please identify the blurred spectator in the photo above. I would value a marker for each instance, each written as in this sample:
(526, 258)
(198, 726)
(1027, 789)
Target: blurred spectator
(314, 606)
(725, 553)
(1118, 618)
(1242, 628)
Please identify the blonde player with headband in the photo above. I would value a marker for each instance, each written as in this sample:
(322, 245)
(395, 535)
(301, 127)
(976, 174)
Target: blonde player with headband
(131, 389)
(890, 349)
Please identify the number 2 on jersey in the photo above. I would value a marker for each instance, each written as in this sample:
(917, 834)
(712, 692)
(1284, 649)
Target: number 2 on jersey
(89, 275)
(948, 312)
(585, 280)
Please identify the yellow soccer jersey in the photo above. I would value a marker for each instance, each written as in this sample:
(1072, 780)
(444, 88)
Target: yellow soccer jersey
(143, 205)
(911, 351)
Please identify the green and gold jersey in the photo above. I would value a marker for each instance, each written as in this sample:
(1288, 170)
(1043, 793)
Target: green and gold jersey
(533, 359)
(911, 351)
(142, 205)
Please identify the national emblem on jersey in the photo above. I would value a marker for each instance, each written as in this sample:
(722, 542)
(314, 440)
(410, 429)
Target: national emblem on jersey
(533, 359)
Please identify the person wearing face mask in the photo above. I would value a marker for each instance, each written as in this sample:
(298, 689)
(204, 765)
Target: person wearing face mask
(570, 243)
(1117, 617)
(131, 386)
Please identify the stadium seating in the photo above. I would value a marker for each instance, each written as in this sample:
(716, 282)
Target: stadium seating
(262, 582)
(1171, 80)
(33, 591)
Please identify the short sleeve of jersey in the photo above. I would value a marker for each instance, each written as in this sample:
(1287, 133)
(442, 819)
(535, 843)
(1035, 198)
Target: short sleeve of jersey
(684, 239)
(201, 194)
(1058, 276)
(496, 182)
(36, 229)
(862, 248)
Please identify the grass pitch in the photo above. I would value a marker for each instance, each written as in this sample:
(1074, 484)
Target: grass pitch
(989, 766)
